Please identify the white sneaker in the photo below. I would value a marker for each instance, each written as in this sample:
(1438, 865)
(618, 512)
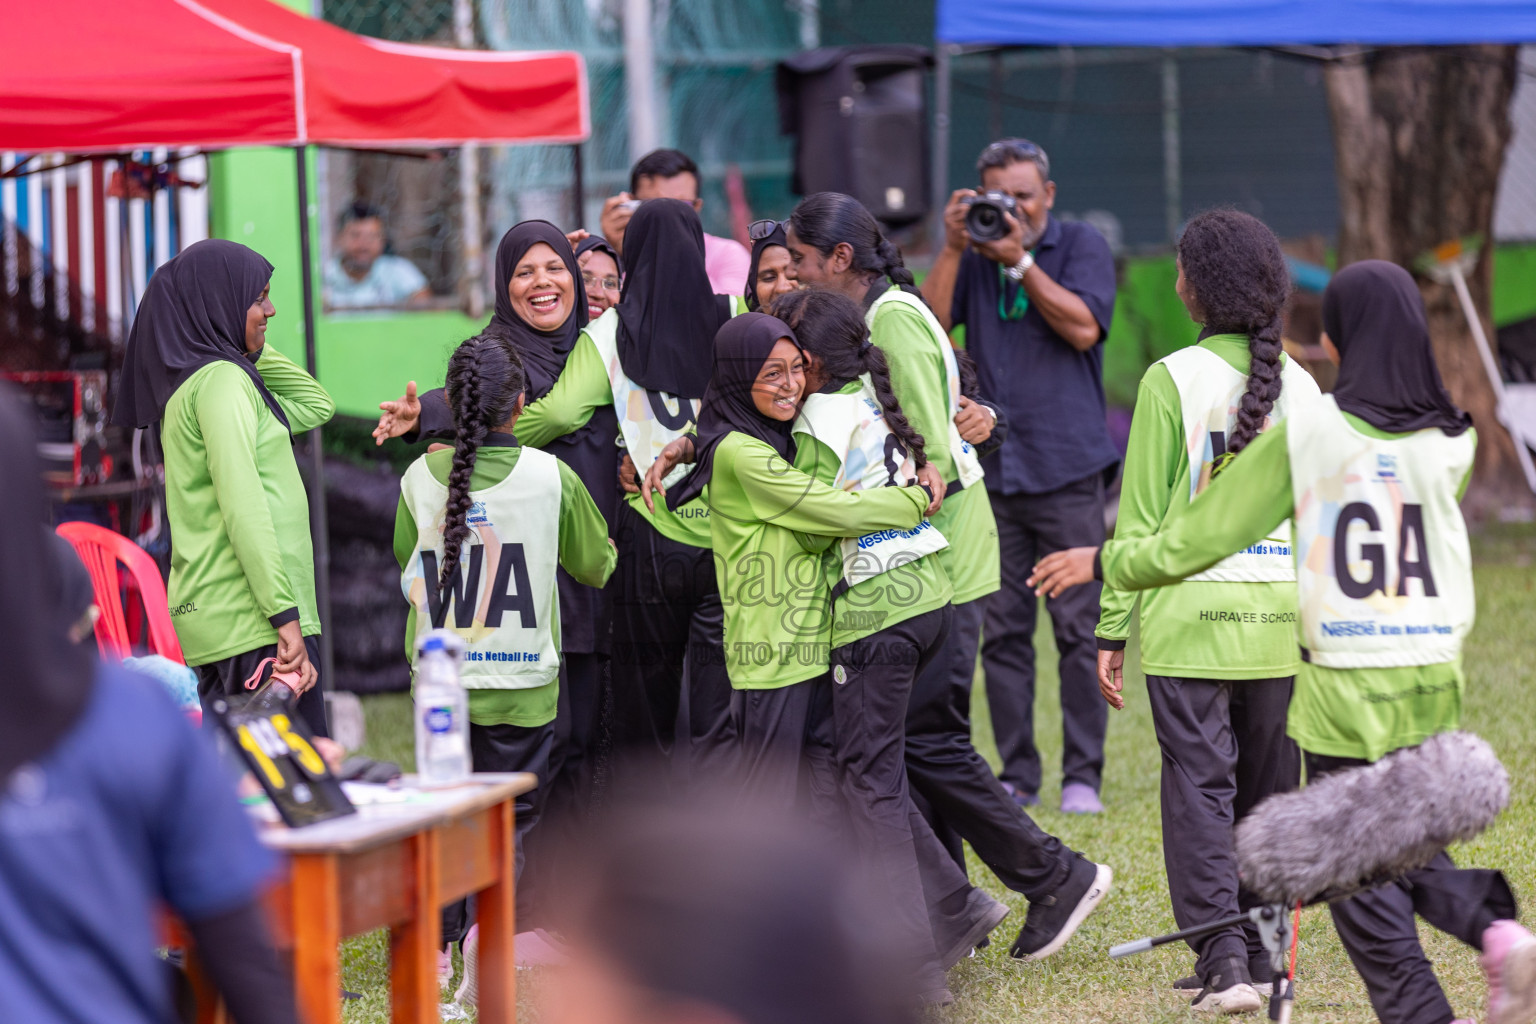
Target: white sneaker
(469, 988)
(1240, 998)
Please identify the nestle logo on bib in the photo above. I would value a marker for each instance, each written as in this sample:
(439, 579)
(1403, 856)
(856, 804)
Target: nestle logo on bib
(477, 515)
(1386, 467)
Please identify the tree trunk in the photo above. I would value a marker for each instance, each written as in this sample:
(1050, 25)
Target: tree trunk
(1419, 137)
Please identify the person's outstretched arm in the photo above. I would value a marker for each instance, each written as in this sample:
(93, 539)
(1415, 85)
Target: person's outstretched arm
(580, 391)
(1249, 499)
(782, 495)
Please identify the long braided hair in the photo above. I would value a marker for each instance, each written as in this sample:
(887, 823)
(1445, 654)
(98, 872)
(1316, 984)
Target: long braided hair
(1233, 265)
(485, 378)
(824, 219)
(831, 327)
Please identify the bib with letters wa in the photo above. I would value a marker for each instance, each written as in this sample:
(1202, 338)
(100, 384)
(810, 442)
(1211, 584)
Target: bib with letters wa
(1383, 566)
(967, 465)
(1210, 392)
(854, 427)
(502, 599)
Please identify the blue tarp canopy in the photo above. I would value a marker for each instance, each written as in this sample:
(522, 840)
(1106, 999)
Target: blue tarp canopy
(1233, 22)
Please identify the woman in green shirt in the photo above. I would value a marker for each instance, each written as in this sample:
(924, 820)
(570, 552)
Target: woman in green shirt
(479, 531)
(648, 360)
(776, 597)
(1218, 649)
(1370, 477)
(242, 585)
(836, 245)
(777, 626)
(891, 615)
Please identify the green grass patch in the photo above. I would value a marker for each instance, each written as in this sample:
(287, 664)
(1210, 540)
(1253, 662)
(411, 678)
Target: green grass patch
(1081, 984)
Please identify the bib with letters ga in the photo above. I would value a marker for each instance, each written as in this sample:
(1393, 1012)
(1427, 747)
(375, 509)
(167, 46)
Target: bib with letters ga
(1210, 392)
(967, 465)
(1383, 566)
(854, 427)
(502, 598)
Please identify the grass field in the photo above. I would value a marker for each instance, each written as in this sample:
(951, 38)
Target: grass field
(1080, 984)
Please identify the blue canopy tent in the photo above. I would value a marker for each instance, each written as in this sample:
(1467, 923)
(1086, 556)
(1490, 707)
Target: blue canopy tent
(1233, 22)
(1313, 28)
(1299, 26)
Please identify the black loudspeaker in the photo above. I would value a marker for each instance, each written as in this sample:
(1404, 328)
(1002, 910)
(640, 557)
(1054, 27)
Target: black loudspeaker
(859, 115)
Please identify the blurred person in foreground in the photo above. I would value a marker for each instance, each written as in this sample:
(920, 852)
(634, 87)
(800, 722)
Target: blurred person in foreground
(1036, 304)
(720, 913)
(672, 174)
(362, 275)
(111, 806)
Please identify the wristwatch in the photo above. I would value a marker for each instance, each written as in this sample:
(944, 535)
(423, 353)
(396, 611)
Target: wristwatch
(1019, 269)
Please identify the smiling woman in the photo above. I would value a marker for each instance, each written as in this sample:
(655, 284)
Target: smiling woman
(228, 406)
(256, 319)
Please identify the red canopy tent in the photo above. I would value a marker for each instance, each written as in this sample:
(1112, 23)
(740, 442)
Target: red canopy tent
(114, 76)
(93, 76)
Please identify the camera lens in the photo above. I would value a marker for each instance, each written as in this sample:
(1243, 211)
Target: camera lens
(984, 221)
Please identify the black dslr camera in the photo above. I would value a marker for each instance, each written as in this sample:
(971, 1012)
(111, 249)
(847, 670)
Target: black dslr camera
(987, 218)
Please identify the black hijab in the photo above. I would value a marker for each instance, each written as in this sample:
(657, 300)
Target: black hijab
(1374, 314)
(668, 312)
(598, 243)
(46, 682)
(775, 237)
(543, 353)
(192, 314)
(741, 348)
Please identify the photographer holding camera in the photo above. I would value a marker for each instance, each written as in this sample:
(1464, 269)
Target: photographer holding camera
(1035, 296)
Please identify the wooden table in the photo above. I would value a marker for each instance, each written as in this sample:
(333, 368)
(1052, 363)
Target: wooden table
(394, 866)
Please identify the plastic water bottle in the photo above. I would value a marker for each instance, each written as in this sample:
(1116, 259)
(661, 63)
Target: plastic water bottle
(442, 711)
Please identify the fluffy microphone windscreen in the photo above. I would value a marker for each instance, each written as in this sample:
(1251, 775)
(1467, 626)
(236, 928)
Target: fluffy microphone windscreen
(1361, 826)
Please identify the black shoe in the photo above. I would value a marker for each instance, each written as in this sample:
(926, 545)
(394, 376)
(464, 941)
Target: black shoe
(984, 914)
(1053, 919)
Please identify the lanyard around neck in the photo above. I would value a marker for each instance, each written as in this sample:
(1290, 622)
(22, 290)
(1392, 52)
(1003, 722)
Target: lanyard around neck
(1020, 304)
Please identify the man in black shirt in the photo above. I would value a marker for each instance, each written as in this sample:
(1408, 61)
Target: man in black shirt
(1036, 306)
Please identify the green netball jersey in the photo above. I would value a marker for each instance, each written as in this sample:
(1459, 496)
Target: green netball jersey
(896, 595)
(1200, 629)
(778, 627)
(1356, 712)
(241, 556)
(584, 553)
(921, 383)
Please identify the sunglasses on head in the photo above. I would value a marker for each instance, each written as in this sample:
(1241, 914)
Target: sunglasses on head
(1013, 147)
(761, 229)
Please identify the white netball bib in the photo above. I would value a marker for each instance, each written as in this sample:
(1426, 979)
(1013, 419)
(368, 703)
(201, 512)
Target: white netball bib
(502, 598)
(649, 420)
(1383, 567)
(854, 427)
(967, 465)
(1210, 391)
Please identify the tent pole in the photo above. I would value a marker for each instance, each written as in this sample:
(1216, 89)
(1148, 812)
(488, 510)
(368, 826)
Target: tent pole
(578, 182)
(941, 92)
(319, 528)
(1173, 173)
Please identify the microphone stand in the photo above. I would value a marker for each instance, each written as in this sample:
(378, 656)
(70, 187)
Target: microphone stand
(1274, 931)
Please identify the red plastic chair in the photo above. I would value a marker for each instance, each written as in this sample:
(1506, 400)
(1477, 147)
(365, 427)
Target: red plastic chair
(101, 550)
